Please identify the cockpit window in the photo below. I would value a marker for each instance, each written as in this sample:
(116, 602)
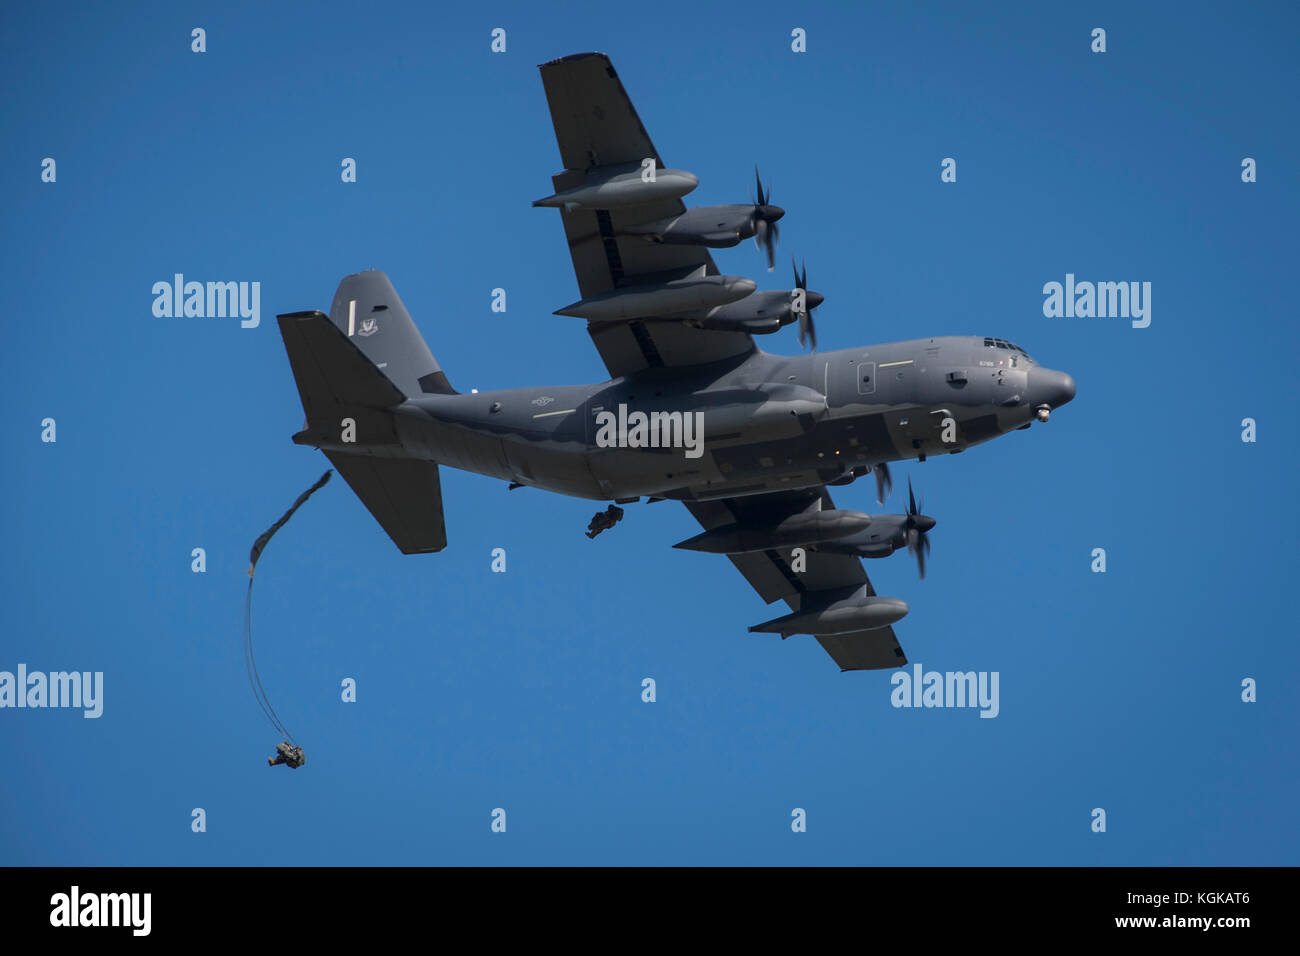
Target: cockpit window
(993, 343)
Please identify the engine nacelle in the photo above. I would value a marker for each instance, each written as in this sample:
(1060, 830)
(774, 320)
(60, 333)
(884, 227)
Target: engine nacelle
(886, 535)
(717, 227)
(792, 532)
(759, 313)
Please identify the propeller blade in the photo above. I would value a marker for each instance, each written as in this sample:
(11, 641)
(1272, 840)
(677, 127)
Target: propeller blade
(918, 526)
(807, 330)
(884, 482)
(765, 234)
(765, 239)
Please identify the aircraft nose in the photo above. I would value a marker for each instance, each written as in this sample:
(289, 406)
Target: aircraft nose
(1050, 387)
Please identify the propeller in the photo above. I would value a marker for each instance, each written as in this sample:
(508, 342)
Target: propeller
(807, 331)
(917, 526)
(763, 218)
(884, 483)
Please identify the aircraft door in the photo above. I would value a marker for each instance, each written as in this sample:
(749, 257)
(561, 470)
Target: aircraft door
(866, 376)
(843, 377)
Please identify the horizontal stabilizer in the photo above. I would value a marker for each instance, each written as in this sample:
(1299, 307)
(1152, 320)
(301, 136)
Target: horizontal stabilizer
(872, 650)
(403, 494)
(330, 370)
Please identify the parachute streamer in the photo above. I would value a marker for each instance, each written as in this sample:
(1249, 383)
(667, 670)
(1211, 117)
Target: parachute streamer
(264, 538)
(250, 661)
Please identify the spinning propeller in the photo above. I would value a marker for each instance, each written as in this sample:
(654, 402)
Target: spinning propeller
(807, 331)
(884, 483)
(917, 526)
(764, 220)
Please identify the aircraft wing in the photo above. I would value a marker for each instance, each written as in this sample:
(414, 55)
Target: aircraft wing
(596, 125)
(769, 573)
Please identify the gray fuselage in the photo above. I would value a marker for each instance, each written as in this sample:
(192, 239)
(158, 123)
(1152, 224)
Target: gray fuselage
(768, 422)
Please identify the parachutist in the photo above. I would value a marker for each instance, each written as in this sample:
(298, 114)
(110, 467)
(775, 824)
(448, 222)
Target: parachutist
(286, 754)
(604, 520)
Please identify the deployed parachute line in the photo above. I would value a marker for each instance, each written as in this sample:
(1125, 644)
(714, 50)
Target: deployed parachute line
(250, 660)
(264, 538)
(254, 678)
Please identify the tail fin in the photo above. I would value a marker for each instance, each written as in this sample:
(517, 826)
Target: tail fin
(369, 312)
(357, 363)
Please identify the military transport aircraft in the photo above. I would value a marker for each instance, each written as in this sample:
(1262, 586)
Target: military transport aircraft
(750, 440)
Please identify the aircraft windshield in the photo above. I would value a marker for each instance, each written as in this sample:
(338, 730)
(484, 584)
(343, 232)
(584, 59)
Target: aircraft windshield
(992, 343)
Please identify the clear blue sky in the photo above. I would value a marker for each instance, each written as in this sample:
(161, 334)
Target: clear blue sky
(522, 690)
